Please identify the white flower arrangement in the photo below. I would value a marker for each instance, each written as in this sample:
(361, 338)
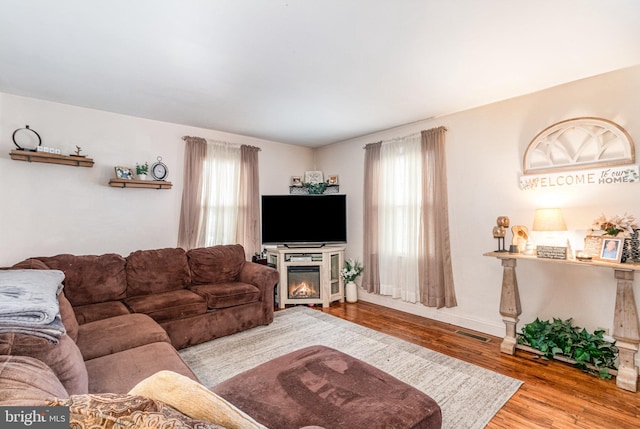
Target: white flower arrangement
(352, 270)
(616, 224)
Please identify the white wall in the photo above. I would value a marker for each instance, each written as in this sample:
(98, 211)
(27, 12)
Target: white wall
(49, 209)
(485, 147)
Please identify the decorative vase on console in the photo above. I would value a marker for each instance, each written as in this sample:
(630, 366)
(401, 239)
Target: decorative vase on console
(351, 271)
(626, 227)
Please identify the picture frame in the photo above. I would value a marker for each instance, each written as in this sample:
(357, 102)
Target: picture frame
(123, 173)
(592, 246)
(296, 181)
(333, 179)
(313, 177)
(611, 249)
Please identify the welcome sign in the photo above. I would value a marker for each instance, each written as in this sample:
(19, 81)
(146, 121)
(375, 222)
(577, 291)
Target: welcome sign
(603, 176)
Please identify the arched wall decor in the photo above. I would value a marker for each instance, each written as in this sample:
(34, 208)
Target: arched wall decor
(578, 143)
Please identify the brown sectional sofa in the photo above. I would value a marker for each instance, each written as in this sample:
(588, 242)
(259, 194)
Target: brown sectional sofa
(125, 317)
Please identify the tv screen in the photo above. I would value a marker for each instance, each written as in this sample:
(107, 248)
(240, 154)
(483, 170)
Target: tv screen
(304, 219)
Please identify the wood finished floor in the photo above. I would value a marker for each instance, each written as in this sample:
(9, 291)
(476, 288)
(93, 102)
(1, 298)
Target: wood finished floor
(554, 395)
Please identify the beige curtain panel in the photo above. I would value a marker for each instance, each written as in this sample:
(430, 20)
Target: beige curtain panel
(194, 154)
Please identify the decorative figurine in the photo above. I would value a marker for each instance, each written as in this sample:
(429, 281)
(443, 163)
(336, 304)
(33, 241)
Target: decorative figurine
(520, 237)
(500, 231)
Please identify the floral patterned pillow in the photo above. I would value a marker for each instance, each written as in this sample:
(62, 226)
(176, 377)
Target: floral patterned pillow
(119, 411)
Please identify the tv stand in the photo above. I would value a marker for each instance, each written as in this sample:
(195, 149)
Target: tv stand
(308, 275)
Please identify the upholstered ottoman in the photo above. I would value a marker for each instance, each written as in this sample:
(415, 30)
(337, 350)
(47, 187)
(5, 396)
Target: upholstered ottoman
(320, 386)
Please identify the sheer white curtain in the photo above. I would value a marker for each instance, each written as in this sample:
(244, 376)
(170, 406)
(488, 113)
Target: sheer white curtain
(400, 214)
(220, 196)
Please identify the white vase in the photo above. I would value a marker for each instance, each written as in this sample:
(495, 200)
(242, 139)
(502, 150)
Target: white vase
(352, 292)
(142, 177)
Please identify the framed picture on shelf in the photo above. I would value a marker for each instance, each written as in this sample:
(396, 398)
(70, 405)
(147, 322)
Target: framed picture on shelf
(611, 249)
(333, 179)
(313, 177)
(124, 173)
(592, 246)
(296, 181)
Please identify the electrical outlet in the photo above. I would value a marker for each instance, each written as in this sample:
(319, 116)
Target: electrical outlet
(605, 330)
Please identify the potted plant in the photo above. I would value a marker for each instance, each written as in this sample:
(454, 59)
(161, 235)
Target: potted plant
(142, 170)
(351, 271)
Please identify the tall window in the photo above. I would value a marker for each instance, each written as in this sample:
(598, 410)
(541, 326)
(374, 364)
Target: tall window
(220, 194)
(399, 208)
(220, 201)
(407, 253)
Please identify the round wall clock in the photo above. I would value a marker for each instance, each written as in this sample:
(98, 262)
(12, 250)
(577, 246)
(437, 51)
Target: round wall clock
(159, 170)
(26, 139)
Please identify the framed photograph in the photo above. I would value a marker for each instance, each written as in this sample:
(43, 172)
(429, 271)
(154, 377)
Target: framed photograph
(592, 246)
(296, 180)
(124, 173)
(333, 179)
(611, 249)
(313, 177)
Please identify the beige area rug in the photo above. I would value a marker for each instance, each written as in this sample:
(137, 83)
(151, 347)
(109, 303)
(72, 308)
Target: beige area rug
(468, 395)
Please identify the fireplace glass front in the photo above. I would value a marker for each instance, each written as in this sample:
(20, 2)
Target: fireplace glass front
(303, 282)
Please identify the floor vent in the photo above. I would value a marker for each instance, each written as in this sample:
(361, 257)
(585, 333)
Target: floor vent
(474, 336)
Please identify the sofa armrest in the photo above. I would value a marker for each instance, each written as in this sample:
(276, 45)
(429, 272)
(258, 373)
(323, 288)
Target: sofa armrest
(264, 278)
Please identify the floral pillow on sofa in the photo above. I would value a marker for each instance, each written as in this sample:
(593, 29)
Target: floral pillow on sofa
(120, 411)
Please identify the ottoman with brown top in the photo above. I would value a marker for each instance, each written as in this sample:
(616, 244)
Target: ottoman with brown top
(320, 386)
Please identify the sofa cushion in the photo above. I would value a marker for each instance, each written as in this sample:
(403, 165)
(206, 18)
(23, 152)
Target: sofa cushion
(103, 310)
(168, 305)
(223, 295)
(31, 264)
(112, 335)
(155, 271)
(108, 411)
(27, 381)
(90, 279)
(68, 317)
(321, 386)
(119, 372)
(63, 358)
(193, 399)
(216, 264)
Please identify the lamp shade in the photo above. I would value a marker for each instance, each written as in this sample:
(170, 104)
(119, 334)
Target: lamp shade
(549, 220)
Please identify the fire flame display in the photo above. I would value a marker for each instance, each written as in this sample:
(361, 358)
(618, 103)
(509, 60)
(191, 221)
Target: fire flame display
(303, 290)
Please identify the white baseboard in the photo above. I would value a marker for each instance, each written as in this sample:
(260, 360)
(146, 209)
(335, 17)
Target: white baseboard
(441, 315)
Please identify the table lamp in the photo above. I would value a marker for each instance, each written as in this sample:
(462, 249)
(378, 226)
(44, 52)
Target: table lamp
(550, 221)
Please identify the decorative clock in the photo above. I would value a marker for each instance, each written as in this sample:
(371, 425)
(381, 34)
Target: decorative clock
(159, 170)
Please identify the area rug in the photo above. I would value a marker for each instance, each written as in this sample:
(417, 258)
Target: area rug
(468, 395)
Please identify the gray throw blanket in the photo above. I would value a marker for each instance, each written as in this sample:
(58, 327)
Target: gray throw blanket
(29, 303)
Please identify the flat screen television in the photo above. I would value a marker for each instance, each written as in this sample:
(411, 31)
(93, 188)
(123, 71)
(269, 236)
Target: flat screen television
(298, 220)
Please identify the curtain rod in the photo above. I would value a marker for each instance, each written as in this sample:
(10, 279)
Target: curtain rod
(220, 142)
(418, 132)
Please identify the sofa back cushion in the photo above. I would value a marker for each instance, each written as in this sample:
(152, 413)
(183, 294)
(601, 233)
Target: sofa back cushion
(90, 279)
(155, 271)
(27, 381)
(64, 358)
(216, 264)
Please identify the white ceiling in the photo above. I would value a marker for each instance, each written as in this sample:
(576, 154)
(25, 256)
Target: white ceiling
(306, 72)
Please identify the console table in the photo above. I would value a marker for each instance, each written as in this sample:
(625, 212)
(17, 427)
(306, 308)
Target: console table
(625, 319)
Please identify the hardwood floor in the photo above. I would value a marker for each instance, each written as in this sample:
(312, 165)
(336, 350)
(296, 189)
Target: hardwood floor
(554, 395)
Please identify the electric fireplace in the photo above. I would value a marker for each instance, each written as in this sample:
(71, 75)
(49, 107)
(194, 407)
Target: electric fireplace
(303, 282)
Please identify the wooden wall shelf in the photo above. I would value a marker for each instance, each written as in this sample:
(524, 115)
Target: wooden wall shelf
(149, 184)
(50, 158)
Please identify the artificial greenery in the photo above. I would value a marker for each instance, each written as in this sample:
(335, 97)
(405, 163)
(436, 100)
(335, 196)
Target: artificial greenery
(142, 168)
(560, 337)
(316, 188)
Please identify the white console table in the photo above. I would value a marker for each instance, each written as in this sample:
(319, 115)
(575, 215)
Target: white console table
(326, 260)
(625, 319)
